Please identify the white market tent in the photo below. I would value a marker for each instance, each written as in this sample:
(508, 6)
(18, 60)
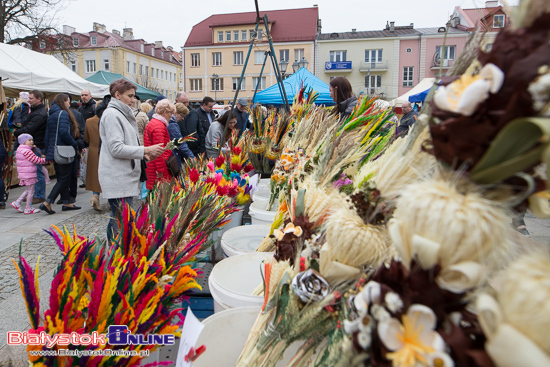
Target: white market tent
(424, 84)
(28, 70)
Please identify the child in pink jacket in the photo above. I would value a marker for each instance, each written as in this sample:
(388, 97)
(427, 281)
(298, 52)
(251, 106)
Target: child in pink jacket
(26, 170)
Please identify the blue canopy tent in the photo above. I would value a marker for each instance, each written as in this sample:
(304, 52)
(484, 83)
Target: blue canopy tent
(293, 83)
(419, 97)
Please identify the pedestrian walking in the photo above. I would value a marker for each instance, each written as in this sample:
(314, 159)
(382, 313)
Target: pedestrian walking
(27, 162)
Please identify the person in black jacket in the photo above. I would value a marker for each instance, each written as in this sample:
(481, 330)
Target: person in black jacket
(242, 116)
(81, 145)
(87, 108)
(3, 157)
(198, 121)
(409, 118)
(35, 125)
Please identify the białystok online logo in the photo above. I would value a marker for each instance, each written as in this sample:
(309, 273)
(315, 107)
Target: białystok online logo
(116, 335)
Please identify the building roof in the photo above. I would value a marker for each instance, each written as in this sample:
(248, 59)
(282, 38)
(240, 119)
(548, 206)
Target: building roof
(368, 34)
(480, 17)
(108, 39)
(288, 25)
(436, 30)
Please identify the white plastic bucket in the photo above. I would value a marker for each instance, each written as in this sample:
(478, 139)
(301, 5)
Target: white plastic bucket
(225, 334)
(233, 280)
(262, 194)
(259, 215)
(243, 239)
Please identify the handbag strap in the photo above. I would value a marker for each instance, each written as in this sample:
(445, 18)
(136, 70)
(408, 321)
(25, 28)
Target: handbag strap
(57, 133)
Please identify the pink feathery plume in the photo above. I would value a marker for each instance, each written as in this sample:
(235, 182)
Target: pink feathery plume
(28, 288)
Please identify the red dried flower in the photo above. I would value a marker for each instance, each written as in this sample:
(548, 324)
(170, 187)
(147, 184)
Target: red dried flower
(220, 161)
(248, 168)
(237, 150)
(194, 175)
(235, 167)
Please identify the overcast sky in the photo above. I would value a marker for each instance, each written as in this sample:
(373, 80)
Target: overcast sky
(171, 21)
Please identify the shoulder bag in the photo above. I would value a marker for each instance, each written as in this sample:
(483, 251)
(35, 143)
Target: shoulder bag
(63, 154)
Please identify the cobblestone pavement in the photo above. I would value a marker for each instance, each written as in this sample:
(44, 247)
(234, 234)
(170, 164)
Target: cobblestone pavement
(88, 223)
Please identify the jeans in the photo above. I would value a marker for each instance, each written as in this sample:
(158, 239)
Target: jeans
(74, 176)
(63, 173)
(40, 186)
(2, 185)
(115, 205)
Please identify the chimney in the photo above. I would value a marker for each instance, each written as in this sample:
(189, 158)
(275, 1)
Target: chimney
(353, 30)
(412, 25)
(68, 30)
(491, 4)
(116, 32)
(158, 44)
(128, 33)
(387, 25)
(100, 28)
(392, 26)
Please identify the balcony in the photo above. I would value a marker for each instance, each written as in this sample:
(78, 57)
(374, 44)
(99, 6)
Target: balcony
(436, 63)
(381, 91)
(374, 66)
(338, 67)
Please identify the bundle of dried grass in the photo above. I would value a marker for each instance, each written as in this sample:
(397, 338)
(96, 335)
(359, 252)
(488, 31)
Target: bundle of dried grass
(351, 245)
(450, 223)
(516, 323)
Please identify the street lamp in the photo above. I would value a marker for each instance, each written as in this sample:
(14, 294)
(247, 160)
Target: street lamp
(283, 64)
(215, 80)
(295, 66)
(368, 83)
(303, 63)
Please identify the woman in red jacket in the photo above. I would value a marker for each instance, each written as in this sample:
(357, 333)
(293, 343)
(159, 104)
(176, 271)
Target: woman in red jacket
(157, 132)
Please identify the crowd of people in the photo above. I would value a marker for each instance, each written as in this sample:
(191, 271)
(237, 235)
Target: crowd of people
(118, 143)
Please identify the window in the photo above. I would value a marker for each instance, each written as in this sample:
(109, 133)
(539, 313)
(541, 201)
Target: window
(90, 66)
(157, 73)
(408, 76)
(372, 82)
(152, 72)
(283, 55)
(135, 68)
(255, 82)
(73, 66)
(93, 40)
(216, 59)
(235, 35)
(75, 42)
(336, 56)
(498, 21)
(228, 36)
(409, 50)
(61, 42)
(195, 60)
(127, 66)
(142, 47)
(162, 54)
(298, 54)
(220, 36)
(152, 51)
(162, 74)
(217, 84)
(373, 56)
(42, 44)
(252, 33)
(243, 35)
(448, 52)
(140, 69)
(237, 58)
(259, 57)
(147, 71)
(196, 85)
(260, 34)
(236, 82)
(106, 64)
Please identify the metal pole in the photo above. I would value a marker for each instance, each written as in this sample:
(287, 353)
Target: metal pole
(260, 77)
(276, 65)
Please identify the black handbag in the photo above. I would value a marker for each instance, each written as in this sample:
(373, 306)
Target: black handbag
(143, 175)
(173, 165)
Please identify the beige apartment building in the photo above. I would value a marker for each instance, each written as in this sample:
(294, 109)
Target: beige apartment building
(151, 65)
(216, 50)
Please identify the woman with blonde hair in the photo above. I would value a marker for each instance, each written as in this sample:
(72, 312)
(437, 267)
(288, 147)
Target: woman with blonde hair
(183, 152)
(156, 132)
(141, 117)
